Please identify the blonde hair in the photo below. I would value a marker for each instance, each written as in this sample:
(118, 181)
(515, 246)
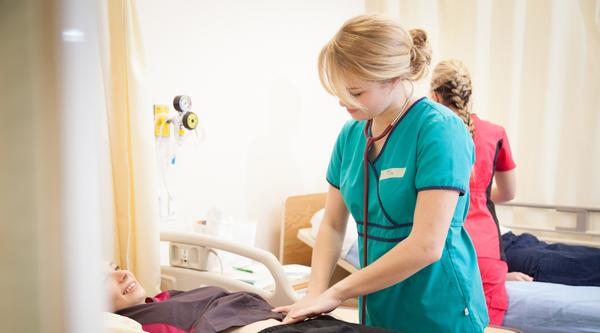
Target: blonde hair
(452, 82)
(372, 48)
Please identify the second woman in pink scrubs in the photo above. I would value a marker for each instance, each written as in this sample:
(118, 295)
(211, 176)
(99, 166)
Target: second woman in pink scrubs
(451, 86)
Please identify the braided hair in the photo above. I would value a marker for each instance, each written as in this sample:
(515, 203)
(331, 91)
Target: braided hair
(452, 82)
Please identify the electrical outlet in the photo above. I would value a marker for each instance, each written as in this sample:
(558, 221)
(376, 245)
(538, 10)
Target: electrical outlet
(171, 207)
(188, 256)
(183, 253)
(166, 208)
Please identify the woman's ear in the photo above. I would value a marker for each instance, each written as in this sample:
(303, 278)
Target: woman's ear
(395, 82)
(435, 96)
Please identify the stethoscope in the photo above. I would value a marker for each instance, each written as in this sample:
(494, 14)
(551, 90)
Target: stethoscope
(370, 142)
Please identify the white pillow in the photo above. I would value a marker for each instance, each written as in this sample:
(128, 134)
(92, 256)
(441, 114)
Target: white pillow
(504, 229)
(351, 232)
(114, 323)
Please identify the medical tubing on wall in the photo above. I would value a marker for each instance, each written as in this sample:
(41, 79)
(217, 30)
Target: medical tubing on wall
(218, 258)
(165, 160)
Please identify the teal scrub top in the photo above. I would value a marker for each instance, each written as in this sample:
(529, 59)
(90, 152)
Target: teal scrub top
(429, 148)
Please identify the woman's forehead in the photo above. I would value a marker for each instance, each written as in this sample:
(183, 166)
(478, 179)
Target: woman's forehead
(358, 84)
(350, 80)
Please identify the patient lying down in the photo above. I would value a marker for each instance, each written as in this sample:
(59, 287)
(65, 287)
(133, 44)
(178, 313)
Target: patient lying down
(207, 309)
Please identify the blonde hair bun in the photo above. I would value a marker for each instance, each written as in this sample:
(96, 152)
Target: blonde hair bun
(420, 58)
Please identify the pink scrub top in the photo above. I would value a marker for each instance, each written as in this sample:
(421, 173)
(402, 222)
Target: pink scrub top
(492, 153)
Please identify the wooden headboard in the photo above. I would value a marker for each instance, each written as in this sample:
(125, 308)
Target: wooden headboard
(298, 211)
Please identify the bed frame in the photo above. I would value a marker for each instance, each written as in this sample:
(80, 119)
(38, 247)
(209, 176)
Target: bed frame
(298, 212)
(183, 278)
(578, 229)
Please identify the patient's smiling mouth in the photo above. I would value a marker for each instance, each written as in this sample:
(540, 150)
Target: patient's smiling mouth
(129, 288)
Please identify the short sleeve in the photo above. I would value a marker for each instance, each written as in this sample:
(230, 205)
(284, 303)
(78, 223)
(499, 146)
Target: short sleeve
(505, 160)
(445, 154)
(335, 163)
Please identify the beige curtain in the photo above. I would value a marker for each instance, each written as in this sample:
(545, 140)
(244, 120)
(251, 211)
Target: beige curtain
(536, 71)
(132, 155)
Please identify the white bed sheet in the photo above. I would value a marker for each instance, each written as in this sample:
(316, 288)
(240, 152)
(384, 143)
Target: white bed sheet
(540, 307)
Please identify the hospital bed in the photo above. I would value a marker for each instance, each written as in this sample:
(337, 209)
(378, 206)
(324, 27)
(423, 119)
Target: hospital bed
(183, 273)
(533, 306)
(178, 276)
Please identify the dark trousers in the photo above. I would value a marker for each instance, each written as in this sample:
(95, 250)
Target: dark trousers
(555, 263)
(324, 324)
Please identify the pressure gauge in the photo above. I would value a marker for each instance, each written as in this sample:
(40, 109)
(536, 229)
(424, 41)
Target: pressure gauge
(190, 120)
(182, 103)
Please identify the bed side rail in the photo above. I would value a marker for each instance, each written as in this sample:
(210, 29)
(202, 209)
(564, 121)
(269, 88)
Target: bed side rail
(283, 293)
(583, 214)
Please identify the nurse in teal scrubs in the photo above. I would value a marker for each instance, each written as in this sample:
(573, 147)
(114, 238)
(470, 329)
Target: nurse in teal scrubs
(410, 159)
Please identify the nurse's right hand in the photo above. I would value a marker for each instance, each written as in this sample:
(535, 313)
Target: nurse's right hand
(311, 306)
(303, 303)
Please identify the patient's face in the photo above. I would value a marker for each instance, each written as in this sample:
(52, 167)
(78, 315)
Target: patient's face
(124, 289)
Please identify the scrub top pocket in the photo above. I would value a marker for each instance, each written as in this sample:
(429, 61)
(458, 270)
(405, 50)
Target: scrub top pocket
(397, 206)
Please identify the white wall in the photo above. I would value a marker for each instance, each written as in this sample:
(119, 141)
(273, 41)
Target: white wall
(250, 69)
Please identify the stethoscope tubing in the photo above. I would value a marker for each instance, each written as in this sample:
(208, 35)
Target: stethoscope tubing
(370, 142)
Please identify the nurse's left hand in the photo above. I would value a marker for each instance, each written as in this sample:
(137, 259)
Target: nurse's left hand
(326, 302)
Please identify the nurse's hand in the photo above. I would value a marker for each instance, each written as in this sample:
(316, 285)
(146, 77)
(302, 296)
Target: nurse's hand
(518, 276)
(304, 302)
(309, 306)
